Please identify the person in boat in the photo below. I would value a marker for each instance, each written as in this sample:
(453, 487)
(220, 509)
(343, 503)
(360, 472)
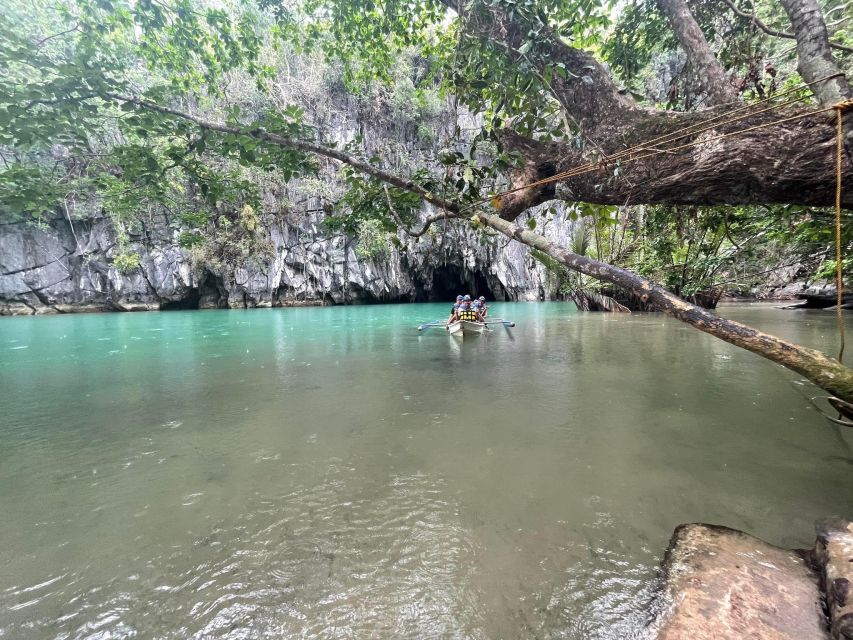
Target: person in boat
(484, 310)
(466, 312)
(454, 312)
(477, 308)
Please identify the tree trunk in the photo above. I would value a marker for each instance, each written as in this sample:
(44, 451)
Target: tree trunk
(788, 163)
(710, 72)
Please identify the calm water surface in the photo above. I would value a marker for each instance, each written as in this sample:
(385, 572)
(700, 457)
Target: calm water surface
(332, 473)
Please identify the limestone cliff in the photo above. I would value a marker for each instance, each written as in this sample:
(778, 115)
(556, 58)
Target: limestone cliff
(51, 268)
(67, 261)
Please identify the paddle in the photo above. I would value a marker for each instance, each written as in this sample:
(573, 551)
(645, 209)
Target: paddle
(506, 323)
(434, 323)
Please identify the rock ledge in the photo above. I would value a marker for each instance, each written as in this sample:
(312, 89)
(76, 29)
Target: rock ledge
(720, 583)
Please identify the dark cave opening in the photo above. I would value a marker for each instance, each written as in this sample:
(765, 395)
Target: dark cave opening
(189, 301)
(450, 280)
(212, 292)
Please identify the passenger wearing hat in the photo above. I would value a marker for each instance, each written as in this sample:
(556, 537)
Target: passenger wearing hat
(484, 310)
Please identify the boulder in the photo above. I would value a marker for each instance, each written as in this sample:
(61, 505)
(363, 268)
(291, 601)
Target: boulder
(722, 584)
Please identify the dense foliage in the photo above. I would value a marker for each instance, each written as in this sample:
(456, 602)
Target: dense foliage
(73, 144)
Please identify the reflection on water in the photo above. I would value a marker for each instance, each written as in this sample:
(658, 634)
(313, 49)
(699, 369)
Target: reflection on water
(334, 473)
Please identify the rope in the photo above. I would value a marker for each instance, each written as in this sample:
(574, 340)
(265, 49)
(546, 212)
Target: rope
(839, 155)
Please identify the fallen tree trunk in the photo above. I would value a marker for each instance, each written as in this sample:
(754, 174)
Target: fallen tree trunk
(790, 162)
(825, 372)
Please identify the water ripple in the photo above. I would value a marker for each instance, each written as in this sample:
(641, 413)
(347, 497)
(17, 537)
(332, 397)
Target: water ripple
(307, 564)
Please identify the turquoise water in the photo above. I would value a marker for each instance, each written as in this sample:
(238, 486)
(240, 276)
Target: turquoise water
(332, 473)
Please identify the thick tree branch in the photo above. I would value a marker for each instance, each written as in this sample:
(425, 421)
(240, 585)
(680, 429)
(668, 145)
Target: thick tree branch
(787, 163)
(825, 372)
(711, 75)
(775, 32)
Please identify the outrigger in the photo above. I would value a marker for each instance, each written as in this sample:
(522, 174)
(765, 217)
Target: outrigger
(462, 328)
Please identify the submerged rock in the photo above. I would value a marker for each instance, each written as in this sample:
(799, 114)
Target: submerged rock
(722, 584)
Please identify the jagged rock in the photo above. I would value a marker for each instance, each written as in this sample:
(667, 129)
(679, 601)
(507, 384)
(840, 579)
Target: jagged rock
(722, 584)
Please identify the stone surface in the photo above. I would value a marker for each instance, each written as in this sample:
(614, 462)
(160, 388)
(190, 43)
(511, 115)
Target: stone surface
(723, 584)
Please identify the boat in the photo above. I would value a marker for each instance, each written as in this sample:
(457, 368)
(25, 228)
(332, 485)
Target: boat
(464, 328)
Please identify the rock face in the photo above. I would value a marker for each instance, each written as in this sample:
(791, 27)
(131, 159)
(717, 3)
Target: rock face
(723, 584)
(55, 269)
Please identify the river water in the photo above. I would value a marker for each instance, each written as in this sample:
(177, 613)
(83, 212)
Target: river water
(332, 473)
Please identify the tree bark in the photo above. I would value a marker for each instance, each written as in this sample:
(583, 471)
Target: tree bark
(787, 163)
(711, 75)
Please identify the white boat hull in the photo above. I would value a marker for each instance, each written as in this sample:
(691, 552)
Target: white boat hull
(466, 328)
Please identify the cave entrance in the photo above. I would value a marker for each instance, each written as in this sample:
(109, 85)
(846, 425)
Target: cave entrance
(189, 301)
(212, 293)
(449, 281)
